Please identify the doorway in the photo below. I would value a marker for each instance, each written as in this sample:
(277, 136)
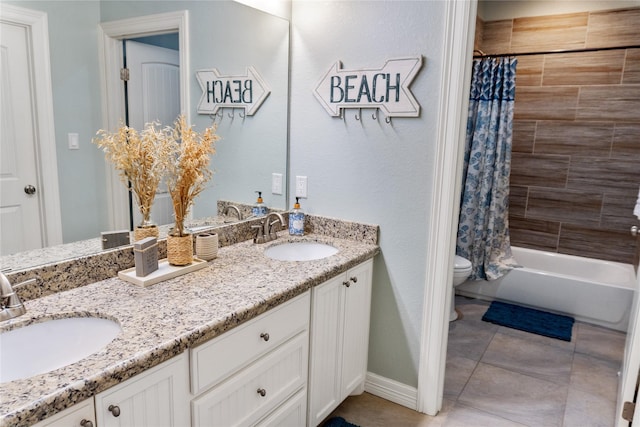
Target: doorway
(553, 140)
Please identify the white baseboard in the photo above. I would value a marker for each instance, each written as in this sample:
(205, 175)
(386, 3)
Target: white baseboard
(391, 390)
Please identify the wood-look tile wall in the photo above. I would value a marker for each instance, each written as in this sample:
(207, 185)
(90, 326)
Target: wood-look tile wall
(575, 167)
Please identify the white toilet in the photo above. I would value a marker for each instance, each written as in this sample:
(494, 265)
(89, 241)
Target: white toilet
(461, 271)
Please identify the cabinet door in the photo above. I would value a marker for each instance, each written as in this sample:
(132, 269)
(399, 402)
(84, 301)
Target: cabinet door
(326, 348)
(79, 415)
(154, 398)
(355, 345)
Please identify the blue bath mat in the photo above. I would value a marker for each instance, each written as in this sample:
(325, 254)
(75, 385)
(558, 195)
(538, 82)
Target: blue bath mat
(530, 320)
(338, 422)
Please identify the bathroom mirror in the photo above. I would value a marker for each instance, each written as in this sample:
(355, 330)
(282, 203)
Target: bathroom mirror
(225, 35)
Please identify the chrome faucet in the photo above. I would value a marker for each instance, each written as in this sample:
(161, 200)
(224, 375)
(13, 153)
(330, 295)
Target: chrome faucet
(10, 304)
(265, 231)
(232, 208)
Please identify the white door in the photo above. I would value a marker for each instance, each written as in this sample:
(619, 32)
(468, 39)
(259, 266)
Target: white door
(153, 93)
(20, 207)
(631, 364)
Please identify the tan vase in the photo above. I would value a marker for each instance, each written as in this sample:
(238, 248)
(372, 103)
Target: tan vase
(180, 249)
(146, 231)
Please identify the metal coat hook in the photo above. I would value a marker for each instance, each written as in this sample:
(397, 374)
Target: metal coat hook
(359, 114)
(242, 114)
(216, 116)
(374, 116)
(231, 114)
(387, 120)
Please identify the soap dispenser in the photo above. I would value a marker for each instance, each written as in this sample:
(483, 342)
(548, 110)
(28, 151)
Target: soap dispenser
(259, 209)
(296, 220)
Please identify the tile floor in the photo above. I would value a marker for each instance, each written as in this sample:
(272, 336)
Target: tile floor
(497, 376)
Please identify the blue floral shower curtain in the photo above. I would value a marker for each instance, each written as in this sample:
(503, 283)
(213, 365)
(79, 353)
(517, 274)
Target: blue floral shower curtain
(483, 226)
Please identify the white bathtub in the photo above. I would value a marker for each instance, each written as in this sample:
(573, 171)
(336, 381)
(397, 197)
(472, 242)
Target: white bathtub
(591, 290)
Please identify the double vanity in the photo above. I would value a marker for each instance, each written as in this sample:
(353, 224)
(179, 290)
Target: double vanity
(267, 334)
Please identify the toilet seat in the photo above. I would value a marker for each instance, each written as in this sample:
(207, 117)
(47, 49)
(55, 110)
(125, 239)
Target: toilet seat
(461, 266)
(461, 263)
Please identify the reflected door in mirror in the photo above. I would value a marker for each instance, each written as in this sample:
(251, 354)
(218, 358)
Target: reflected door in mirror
(21, 226)
(154, 96)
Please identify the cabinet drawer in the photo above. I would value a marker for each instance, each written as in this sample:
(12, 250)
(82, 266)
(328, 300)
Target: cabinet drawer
(291, 414)
(248, 396)
(215, 360)
(72, 416)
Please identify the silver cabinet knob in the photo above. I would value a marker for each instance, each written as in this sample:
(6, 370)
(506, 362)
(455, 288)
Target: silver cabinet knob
(262, 392)
(634, 230)
(115, 411)
(86, 423)
(30, 189)
(264, 336)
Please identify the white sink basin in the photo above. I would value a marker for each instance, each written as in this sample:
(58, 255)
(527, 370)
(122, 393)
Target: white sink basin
(43, 347)
(300, 251)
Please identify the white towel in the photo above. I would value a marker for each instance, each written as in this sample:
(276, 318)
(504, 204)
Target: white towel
(636, 210)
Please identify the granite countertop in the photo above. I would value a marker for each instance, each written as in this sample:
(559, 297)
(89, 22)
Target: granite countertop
(163, 320)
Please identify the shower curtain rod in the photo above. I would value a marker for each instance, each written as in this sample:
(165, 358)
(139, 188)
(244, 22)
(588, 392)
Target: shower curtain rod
(550, 52)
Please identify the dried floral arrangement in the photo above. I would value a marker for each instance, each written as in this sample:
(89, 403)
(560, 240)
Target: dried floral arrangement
(139, 158)
(187, 167)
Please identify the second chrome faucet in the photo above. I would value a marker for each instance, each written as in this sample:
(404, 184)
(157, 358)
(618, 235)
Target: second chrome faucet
(266, 232)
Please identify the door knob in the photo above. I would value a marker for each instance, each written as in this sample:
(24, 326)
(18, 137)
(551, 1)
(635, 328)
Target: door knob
(30, 189)
(634, 230)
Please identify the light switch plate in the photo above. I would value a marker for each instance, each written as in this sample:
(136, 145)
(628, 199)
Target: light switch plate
(74, 143)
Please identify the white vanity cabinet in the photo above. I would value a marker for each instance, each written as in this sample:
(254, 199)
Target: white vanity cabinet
(79, 415)
(157, 397)
(340, 313)
(255, 374)
(288, 367)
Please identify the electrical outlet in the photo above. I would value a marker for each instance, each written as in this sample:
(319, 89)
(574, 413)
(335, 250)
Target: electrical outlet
(276, 183)
(301, 187)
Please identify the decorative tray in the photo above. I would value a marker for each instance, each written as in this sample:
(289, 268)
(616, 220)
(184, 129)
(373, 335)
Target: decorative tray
(164, 272)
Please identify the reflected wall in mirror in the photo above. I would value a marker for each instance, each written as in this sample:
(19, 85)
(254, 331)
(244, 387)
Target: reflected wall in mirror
(225, 35)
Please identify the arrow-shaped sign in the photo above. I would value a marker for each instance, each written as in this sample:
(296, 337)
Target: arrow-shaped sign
(386, 88)
(245, 91)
